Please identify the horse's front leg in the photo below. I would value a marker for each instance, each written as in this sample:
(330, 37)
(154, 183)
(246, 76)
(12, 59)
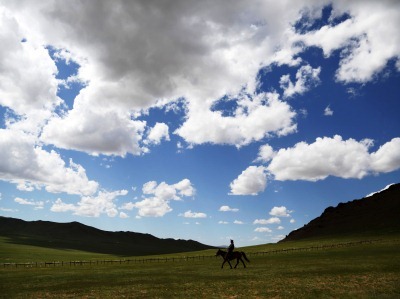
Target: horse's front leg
(237, 263)
(229, 264)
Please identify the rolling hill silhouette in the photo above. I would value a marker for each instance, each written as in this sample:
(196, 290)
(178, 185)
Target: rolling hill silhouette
(378, 214)
(77, 236)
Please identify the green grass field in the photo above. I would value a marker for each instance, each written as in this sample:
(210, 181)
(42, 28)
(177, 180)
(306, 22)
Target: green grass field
(358, 271)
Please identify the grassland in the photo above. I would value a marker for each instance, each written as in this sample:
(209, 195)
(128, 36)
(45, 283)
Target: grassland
(358, 271)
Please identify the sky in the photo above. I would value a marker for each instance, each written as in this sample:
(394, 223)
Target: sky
(202, 120)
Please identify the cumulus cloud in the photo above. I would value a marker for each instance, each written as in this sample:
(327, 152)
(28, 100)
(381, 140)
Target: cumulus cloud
(328, 111)
(190, 214)
(272, 220)
(227, 209)
(280, 212)
(91, 206)
(31, 167)
(96, 131)
(157, 133)
(123, 215)
(131, 60)
(37, 204)
(362, 38)
(27, 82)
(157, 205)
(265, 153)
(250, 182)
(306, 78)
(387, 157)
(334, 157)
(254, 118)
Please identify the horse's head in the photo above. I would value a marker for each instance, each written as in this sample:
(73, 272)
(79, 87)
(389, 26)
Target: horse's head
(219, 252)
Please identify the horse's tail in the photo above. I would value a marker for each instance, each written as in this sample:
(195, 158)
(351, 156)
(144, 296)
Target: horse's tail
(245, 257)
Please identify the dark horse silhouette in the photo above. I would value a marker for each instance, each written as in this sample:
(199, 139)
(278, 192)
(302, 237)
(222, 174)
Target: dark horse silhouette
(234, 255)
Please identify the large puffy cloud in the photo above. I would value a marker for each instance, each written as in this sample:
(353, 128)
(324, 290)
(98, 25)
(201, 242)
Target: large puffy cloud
(254, 119)
(27, 76)
(316, 161)
(134, 55)
(370, 37)
(96, 131)
(334, 157)
(250, 182)
(387, 157)
(30, 166)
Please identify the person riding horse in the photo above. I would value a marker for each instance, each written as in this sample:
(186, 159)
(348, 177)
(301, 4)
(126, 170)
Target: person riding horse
(230, 250)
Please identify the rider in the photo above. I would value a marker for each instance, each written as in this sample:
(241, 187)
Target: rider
(230, 249)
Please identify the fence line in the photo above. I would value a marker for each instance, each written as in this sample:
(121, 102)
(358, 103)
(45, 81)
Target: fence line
(177, 259)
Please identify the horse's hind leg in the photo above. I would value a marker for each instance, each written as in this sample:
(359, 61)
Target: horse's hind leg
(243, 263)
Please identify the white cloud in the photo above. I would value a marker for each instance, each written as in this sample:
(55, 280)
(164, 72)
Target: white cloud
(27, 82)
(31, 167)
(334, 157)
(306, 78)
(223, 222)
(238, 222)
(263, 230)
(157, 133)
(272, 220)
(387, 157)
(96, 131)
(190, 214)
(153, 207)
(328, 111)
(250, 182)
(367, 38)
(227, 209)
(163, 193)
(280, 227)
(254, 118)
(185, 188)
(292, 220)
(265, 153)
(280, 212)
(37, 204)
(91, 206)
(128, 66)
(123, 215)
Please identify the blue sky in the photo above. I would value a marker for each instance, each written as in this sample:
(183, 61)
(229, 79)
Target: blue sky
(196, 120)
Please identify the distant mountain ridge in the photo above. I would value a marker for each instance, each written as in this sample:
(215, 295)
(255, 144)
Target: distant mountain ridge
(77, 236)
(378, 213)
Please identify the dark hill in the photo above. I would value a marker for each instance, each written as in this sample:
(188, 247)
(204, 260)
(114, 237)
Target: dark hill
(75, 235)
(374, 215)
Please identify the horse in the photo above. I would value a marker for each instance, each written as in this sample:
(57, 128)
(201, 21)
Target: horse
(234, 255)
